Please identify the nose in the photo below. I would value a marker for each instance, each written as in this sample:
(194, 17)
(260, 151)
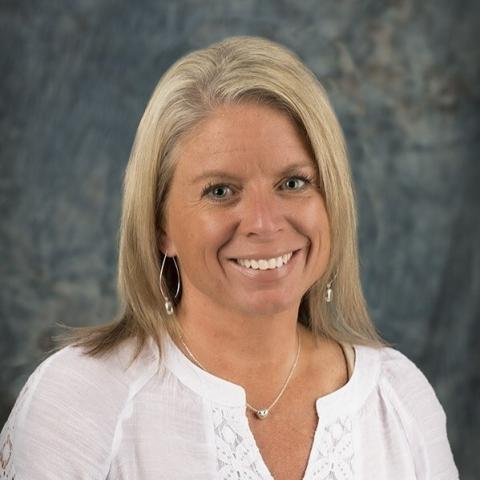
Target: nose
(262, 214)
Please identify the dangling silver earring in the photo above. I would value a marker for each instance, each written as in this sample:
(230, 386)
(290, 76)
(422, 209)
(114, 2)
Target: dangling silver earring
(329, 290)
(329, 293)
(168, 303)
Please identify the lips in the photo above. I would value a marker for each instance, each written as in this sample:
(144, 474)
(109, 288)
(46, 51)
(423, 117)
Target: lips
(265, 273)
(265, 263)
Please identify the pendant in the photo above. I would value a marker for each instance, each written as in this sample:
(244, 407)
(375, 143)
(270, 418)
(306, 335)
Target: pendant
(262, 413)
(329, 293)
(169, 307)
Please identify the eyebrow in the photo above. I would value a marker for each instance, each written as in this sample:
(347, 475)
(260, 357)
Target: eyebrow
(225, 175)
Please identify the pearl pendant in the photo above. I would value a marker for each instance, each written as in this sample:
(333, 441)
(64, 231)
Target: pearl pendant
(329, 294)
(169, 307)
(262, 413)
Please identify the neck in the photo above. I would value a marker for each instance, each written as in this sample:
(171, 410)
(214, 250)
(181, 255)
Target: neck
(237, 346)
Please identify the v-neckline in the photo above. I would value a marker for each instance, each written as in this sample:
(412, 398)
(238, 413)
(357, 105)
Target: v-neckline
(225, 394)
(321, 424)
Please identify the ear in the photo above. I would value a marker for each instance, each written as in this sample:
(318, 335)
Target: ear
(165, 244)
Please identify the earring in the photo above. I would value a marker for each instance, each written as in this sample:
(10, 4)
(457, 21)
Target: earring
(168, 303)
(329, 293)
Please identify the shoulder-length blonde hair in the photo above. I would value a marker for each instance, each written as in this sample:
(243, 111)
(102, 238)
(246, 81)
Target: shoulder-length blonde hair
(237, 69)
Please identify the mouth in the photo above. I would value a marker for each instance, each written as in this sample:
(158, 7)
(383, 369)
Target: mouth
(266, 267)
(265, 263)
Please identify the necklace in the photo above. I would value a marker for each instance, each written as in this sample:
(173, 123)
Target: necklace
(260, 413)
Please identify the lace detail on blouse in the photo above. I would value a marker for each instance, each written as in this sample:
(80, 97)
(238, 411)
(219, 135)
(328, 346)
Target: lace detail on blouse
(235, 458)
(334, 452)
(7, 469)
(6, 465)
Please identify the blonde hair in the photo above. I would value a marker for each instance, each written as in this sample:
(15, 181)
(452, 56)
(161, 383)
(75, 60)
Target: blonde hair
(235, 70)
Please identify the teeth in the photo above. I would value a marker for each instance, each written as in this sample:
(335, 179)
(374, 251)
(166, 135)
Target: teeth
(267, 263)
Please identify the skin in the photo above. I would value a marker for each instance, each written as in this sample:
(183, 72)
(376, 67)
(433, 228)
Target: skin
(242, 325)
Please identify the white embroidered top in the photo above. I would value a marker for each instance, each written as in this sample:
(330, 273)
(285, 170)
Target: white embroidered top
(79, 417)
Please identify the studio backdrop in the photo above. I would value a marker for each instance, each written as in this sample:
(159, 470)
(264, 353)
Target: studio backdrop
(403, 78)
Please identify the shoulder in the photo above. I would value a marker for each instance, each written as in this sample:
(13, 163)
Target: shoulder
(406, 389)
(107, 374)
(389, 369)
(71, 376)
(68, 411)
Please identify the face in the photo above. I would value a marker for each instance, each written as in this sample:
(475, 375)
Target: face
(244, 215)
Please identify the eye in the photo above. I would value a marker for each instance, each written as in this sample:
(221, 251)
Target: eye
(217, 191)
(297, 182)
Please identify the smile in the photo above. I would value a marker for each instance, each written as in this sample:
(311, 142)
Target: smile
(265, 263)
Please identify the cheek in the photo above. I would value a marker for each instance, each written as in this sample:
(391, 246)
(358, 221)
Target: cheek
(200, 233)
(315, 218)
(213, 225)
(317, 227)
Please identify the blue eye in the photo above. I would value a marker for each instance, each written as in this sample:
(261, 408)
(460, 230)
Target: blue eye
(297, 183)
(220, 191)
(216, 191)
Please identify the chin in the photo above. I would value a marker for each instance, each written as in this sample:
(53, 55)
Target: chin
(264, 306)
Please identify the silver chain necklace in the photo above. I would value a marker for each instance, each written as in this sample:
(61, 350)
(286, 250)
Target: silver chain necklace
(260, 413)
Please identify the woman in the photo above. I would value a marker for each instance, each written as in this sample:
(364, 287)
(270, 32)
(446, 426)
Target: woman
(244, 349)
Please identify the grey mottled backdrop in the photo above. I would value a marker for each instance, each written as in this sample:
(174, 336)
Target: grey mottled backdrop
(403, 76)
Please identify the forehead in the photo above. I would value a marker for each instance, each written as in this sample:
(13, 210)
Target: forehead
(243, 137)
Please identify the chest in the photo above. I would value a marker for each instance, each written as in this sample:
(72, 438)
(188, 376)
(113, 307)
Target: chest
(286, 437)
(285, 442)
(165, 438)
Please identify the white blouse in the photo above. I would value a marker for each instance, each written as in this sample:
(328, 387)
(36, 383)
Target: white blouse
(79, 417)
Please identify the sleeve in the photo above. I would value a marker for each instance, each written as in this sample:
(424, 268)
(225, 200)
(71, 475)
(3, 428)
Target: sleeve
(422, 415)
(63, 422)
